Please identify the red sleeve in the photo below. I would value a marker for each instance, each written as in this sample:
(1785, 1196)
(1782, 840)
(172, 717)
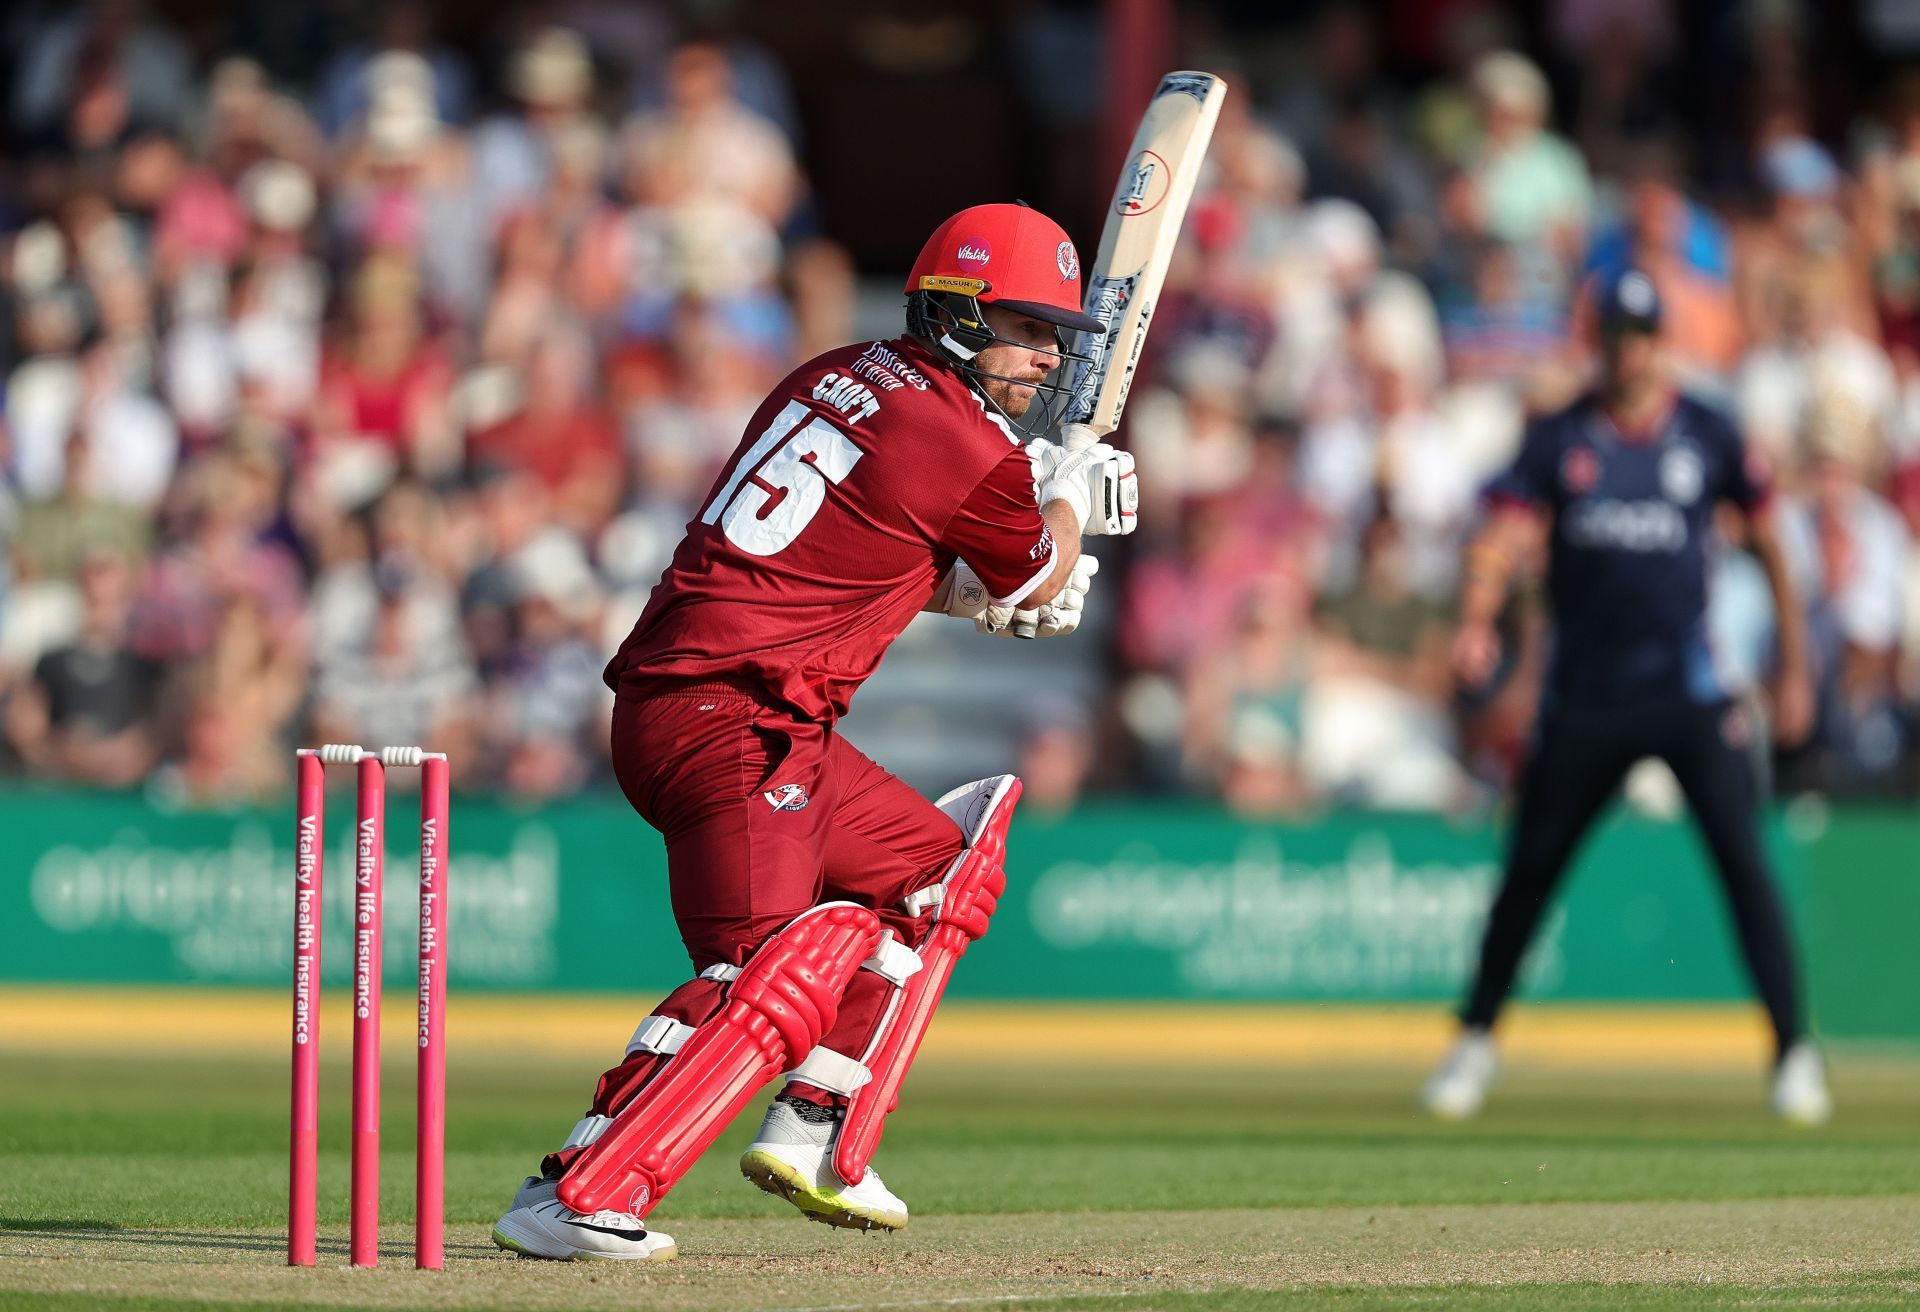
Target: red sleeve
(998, 530)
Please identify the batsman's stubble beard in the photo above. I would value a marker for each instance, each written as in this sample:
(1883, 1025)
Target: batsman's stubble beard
(1010, 361)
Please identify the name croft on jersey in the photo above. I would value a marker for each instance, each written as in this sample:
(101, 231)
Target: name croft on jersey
(854, 400)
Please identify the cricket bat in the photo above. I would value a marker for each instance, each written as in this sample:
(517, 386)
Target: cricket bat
(1143, 224)
(1123, 284)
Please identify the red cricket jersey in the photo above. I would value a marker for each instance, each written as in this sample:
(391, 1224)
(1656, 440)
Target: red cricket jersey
(858, 482)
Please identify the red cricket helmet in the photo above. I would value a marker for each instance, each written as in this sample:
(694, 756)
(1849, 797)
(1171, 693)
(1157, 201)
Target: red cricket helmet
(1012, 256)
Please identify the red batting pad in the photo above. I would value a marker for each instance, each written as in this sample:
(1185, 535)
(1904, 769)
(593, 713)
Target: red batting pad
(785, 999)
(973, 890)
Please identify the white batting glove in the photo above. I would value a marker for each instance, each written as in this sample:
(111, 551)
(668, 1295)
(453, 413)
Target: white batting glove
(1058, 617)
(1096, 482)
(1044, 456)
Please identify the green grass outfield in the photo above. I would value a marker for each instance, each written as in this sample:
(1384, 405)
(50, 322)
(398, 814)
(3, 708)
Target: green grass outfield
(158, 1181)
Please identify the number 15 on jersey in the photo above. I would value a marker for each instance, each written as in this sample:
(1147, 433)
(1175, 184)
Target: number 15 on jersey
(781, 482)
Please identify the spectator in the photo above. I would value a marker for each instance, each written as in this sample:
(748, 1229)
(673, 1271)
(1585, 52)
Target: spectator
(404, 682)
(1243, 709)
(1798, 274)
(1848, 547)
(1374, 732)
(404, 40)
(1811, 349)
(552, 78)
(222, 551)
(385, 403)
(1506, 323)
(549, 702)
(403, 187)
(705, 146)
(1686, 251)
(87, 714)
(87, 73)
(1531, 185)
(1056, 757)
(560, 435)
(234, 706)
(54, 538)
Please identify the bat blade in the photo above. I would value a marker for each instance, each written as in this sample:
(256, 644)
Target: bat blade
(1143, 223)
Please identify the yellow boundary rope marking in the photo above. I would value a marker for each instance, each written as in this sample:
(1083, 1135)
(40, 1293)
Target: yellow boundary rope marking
(224, 1022)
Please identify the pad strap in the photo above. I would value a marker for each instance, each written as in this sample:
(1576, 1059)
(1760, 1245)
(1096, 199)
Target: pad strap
(589, 1129)
(918, 904)
(724, 973)
(833, 1071)
(661, 1035)
(894, 962)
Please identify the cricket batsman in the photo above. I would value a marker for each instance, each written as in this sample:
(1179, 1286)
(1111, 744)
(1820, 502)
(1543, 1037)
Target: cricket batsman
(822, 901)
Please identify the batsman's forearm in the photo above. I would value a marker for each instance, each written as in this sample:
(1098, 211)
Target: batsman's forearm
(1065, 527)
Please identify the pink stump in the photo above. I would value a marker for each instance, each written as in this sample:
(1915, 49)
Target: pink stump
(309, 842)
(430, 1163)
(369, 845)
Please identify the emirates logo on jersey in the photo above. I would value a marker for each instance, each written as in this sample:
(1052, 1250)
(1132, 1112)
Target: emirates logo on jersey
(1044, 547)
(787, 797)
(974, 254)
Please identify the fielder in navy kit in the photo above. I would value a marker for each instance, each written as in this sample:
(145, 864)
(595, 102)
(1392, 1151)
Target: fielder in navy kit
(1625, 482)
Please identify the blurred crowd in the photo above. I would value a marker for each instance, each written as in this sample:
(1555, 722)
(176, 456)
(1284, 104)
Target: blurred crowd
(363, 414)
(1379, 285)
(369, 406)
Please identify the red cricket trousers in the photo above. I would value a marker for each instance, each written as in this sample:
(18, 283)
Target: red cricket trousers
(764, 817)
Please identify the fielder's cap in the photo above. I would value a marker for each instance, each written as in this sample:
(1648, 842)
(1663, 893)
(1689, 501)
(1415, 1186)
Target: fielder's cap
(1006, 255)
(1628, 300)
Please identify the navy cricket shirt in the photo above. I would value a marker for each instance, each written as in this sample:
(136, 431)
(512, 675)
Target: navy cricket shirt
(1627, 573)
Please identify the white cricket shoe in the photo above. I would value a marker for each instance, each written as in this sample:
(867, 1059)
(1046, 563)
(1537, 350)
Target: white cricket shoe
(540, 1225)
(1458, 1089)
(792, 1156)
(1800, 1087)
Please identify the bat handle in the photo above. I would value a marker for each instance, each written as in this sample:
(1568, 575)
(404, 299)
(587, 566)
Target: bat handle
(1078, 437)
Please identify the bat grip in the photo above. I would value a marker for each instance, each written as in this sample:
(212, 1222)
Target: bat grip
(1078, 437)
